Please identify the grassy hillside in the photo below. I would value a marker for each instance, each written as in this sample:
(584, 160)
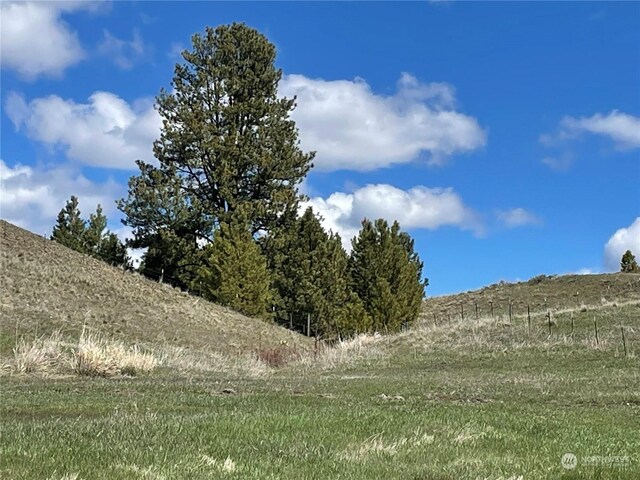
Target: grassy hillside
(47, 287)
(541, 294)
(452, 398)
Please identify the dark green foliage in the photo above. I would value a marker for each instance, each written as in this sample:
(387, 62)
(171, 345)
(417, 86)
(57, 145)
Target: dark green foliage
(236, 274)
(70, 227)
(227, 134)
(166, 222)
(386, 275)
(229, 164)
(628, 263)
(227, 150)
(112, 250)
(311, 277)
(91, 237)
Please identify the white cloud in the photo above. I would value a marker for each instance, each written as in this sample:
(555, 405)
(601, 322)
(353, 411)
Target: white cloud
(124, 53)
(560, 163)
(624, 239)
(32, 198)
(518, 217)
(417, 208)
(34, 40)
(353, 128)
(623, 129)
(587, 271)
(105, 132)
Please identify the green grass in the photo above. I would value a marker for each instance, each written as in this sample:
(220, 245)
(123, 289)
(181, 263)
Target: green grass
(500, 404)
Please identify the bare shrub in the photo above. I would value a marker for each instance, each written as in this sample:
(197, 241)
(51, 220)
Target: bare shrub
(279, 356)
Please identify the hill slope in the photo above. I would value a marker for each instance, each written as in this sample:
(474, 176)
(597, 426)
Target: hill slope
(540, 294)
(46, 287)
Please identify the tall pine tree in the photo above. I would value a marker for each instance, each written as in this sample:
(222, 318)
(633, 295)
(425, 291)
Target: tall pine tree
(227, 146)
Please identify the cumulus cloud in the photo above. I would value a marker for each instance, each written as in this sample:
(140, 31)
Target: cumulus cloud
(624, 239)
(35, 40)
(124, 53)
(353, 128)
(623, 129)
(417, 208)
(32, 198)
(518, 217)
(105, 132)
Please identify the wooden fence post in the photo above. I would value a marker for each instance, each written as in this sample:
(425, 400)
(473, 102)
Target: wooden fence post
(308, 324)
(572, 324)
(624, 342)
(595, 326)
(549, 321)
(528, 320)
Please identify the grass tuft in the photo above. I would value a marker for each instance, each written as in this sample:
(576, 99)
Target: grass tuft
(346, 352)
(39, 356)
(96, 357)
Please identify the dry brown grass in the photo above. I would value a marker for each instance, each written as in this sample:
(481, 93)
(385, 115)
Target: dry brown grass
(541, 294)
(346, 352)
(242, 365)
(41, 355)
(47, 287)
(500, 335)
(91, 356)
(96, 357)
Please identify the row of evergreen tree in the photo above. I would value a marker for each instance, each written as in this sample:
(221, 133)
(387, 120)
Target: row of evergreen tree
(90, 237)
(218, 213)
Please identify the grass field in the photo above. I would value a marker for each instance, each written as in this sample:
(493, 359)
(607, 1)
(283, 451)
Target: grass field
(485, 398)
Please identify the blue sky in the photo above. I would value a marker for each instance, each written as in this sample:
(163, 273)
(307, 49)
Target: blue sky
(504, 136)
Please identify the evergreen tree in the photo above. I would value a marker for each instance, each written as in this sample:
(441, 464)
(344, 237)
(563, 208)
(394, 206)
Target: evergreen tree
(236, 274)
(311, 277)
(386, 275)
(167, 223)
(95, 231)
(70, 227)
(227, 146)
(91, 237)
(628, 263)
(339, 311)
(103, 244)
(112, 251)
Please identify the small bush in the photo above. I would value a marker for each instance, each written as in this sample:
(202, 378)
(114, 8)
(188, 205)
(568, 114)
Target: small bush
(277, 356)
